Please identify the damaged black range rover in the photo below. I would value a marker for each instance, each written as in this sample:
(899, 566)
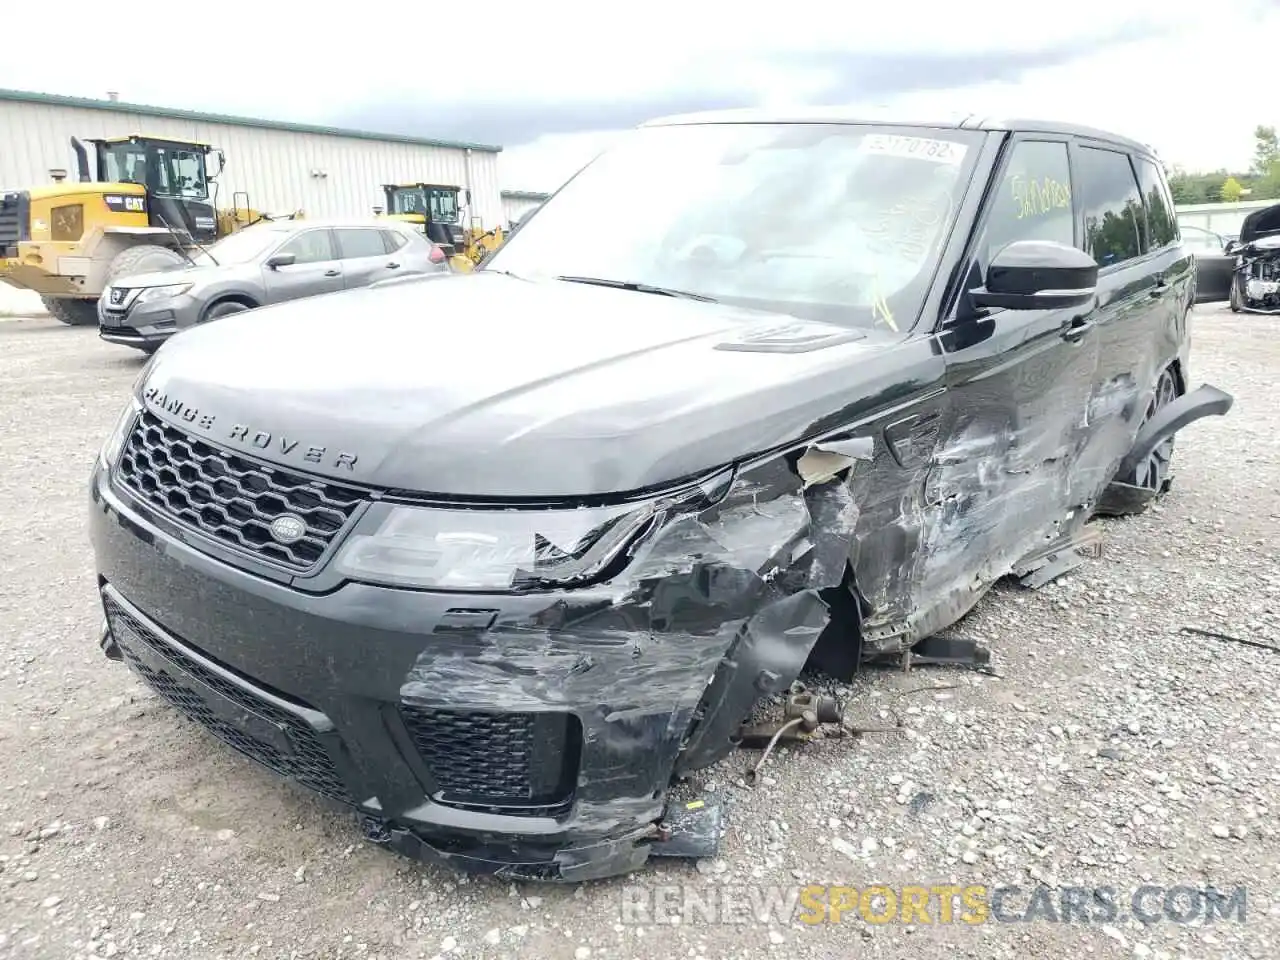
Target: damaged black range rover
(495, 583)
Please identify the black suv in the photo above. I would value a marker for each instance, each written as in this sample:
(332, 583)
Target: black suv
(493, 558)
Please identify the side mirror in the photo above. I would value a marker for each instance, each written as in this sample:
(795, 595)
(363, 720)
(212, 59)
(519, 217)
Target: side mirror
(1038, 275)
(281, 260)
(1230, 247)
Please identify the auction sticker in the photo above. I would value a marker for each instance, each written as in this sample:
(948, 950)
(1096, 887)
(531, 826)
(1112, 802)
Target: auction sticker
(914, 148)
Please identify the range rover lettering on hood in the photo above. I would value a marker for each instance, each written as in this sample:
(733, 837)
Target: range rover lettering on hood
(247, 434)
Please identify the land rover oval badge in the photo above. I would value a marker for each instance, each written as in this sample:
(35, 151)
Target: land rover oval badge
(288, 528)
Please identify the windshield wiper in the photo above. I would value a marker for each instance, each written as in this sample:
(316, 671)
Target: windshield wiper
(639, 288)
(182, 249)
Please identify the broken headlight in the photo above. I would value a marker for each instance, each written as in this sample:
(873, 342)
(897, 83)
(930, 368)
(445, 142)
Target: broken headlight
(493, 549)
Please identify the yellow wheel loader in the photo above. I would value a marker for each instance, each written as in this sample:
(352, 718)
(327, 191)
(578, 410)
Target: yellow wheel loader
(139, 206)
(435, 208)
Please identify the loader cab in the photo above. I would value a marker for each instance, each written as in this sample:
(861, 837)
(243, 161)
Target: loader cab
(176, 176)
(434, 206)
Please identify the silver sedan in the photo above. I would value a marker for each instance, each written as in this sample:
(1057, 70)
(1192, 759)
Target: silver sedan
(266, 263)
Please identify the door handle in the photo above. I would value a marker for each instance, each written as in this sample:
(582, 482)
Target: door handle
(1075, 328)
(333, 273)
(393, 265)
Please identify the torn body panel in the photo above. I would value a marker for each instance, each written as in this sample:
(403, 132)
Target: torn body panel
(528, 734)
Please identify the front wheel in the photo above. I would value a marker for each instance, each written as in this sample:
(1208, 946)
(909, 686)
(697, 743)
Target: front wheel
(73, 311)
(1154, 472)
(144, 258)
(1151, 478)
(224, 309)
(1233, 298)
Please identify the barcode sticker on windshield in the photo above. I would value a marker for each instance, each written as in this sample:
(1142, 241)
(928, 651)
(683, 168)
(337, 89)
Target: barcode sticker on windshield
(917, 148)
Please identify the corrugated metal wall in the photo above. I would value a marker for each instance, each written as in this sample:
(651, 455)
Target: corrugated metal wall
(513, 208)
(273, 166)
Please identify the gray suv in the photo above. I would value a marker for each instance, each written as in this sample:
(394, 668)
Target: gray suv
(266, 263)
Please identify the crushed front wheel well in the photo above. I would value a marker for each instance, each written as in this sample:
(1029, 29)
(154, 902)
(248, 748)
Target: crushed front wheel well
(838, 649)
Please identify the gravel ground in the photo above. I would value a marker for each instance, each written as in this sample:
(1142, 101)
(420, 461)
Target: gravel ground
(1110, 750)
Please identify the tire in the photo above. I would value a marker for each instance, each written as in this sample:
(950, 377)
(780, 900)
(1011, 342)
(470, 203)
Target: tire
(1149, 480)
(1233, 299)
(1153, 473)
(73, 311)
(144, 258)
(223, 309)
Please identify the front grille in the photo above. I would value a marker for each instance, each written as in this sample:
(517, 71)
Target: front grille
(310, 763)
(14, 218)
(524, 761)
(124, 333)
(232, 498)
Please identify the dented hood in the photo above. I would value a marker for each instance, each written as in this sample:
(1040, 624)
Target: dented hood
(1260, 223)
(491, 386)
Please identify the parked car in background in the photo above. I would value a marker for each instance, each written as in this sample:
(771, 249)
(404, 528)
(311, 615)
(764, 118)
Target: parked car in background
(1214, 265)
(1255, 271)
(1199, 240)
(496, 584)
(266, 263)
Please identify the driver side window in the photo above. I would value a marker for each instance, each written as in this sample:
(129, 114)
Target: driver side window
(1032, 201)
(314, 246)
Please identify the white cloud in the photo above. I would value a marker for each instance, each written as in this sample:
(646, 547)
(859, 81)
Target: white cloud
(307, 63)
(1176, 92)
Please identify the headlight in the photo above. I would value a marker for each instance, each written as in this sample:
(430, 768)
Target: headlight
(148, 294)
(120, 432)
(482, 549)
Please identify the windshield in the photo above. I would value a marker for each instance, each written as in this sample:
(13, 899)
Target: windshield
(166, 170)
(832, 222)
(442, 203)
(241, 246)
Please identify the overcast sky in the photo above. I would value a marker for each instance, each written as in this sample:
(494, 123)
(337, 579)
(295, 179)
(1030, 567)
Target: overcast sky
(552, 80)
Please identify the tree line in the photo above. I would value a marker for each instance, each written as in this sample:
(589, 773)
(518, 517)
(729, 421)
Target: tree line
(1260, 182)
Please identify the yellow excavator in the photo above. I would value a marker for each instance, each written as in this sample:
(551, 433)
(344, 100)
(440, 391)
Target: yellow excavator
(435, 208)
(141, 205)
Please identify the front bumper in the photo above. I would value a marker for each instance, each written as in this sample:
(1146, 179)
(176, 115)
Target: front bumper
(329, 690)
(146, 325)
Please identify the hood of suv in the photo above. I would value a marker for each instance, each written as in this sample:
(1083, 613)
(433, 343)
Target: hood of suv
(162, 278)
(485, 385)
(1260, 223)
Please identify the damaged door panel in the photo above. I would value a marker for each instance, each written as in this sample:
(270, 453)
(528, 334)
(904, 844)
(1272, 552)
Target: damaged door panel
(1143, 283)
(496, 586)
(1019, 382)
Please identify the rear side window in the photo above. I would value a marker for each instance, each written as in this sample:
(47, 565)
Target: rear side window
(1162, 227)
(393, 240)
(310, 247)
(354, 244)
(1033, 198)
(1112, 206)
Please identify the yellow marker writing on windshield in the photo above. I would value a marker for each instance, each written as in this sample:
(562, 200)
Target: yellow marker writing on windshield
(880, 310)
